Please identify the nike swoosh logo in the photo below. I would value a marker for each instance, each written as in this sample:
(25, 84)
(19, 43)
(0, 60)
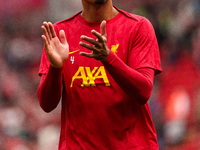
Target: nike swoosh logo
(73, 52)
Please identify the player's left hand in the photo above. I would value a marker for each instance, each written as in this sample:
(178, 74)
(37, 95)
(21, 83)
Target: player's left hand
(99, 48)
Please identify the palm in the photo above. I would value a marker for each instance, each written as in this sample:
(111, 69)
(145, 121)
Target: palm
(57, 50)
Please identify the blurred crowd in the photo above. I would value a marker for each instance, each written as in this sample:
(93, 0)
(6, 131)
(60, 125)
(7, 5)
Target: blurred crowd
(175, 101)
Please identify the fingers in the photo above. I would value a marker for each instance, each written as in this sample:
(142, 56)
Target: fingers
(91, 40)
(98, 36)
(102, 35)
(45, 36)
(52, 30)
(44, 39)
(45, 43)
(103, 28)
(88, 46)
(92, 55)
(98, 47)
(89, 55)
(46, 25)
(48, 31)
(62, 37)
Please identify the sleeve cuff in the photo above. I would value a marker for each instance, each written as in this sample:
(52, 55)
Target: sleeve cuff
(110, 58)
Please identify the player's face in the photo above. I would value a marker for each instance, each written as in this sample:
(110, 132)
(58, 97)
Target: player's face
(96, 1)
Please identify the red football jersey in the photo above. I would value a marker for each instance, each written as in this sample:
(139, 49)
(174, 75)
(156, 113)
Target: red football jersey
(96, 112)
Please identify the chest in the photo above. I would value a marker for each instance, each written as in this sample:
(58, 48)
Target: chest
(87, 71)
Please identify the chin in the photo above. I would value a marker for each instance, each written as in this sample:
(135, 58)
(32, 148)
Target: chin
(100, 1)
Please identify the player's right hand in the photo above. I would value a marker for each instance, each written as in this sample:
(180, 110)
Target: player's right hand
(57, 50)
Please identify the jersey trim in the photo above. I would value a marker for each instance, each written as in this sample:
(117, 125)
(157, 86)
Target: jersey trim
(129, 15)
(68, 19)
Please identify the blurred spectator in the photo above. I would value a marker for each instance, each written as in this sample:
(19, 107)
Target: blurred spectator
(48, 142)
(176, 114)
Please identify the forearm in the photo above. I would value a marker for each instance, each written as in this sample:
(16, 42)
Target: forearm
(135, 83)
(50, 89)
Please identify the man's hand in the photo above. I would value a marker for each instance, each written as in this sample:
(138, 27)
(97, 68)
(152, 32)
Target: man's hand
(99, 48)
(57, 50)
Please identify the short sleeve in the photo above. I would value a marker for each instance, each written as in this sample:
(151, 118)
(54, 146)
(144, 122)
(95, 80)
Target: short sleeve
(144, 51)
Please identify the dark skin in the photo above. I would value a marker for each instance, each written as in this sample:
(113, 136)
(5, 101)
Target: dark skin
(58, 50)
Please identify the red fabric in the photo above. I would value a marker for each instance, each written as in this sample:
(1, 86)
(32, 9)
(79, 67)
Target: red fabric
(50, 89)
(97, 110)
(129, 80)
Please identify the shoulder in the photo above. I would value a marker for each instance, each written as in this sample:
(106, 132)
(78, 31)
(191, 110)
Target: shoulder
(68, 20)
(133, 18)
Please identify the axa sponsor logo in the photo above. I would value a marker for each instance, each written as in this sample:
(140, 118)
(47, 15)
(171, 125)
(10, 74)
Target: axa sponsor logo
(89, 76)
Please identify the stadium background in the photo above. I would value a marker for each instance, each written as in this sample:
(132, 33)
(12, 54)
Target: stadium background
(175, 102)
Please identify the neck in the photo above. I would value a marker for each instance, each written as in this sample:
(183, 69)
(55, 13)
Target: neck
(98, 12)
